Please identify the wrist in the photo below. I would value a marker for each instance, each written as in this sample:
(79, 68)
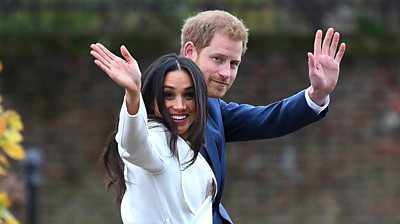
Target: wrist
(132, 99)
(318, 97)
(132, 96)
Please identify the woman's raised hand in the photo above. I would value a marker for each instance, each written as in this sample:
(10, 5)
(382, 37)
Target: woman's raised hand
(124, 71)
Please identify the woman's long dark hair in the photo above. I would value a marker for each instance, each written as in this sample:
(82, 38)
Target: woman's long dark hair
(153, 91)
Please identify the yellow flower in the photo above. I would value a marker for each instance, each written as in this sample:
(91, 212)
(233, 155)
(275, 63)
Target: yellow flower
(6, 217)
(3, 161)
(3, 124)
(14, 120)
(3, 171)
(11, 136)
(10, 127)
(14, 150)
(4, 200)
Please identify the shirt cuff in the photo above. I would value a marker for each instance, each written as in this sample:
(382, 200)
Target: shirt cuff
(316, 108)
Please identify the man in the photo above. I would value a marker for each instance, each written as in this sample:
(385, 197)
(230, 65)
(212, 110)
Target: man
(216, 41)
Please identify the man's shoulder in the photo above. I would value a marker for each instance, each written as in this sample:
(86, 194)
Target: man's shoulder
(216, 104)
(213, 100)
(214, 108)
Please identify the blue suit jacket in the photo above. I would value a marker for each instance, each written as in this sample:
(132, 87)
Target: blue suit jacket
(229, 122)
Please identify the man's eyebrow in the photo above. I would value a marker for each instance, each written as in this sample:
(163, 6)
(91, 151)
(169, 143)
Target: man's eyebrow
(237, 61)
(225, 56)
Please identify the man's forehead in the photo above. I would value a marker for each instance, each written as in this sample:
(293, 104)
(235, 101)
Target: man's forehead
(225, 46)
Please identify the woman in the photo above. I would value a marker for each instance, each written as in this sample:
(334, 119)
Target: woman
(154, 159)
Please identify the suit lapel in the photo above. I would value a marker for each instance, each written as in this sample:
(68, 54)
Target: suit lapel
(212, 154)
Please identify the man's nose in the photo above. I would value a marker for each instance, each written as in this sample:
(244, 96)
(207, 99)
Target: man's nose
(225, 70)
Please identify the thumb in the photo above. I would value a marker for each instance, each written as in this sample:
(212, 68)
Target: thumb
(125, 53)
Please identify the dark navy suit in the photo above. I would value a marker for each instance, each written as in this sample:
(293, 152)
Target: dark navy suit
(230, 122)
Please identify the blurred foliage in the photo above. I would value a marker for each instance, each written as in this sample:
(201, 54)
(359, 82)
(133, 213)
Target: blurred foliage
(54, 26)
(10, 147)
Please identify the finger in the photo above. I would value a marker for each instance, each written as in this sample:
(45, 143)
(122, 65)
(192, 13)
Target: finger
(100, 58)
(333, 47)
(125, 53)
(108, 55)
(98, 53)
(103, 67)
(327, 41)
(339, 55)
(311, 62)
(317, 43)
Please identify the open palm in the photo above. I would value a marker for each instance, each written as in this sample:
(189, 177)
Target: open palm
(324, 63)
(125, 72)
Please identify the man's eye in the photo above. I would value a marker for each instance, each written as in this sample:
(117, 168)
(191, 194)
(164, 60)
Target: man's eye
(218, 59)
(234, 65)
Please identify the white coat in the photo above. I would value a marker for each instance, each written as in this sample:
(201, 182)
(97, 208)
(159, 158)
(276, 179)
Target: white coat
(160, 188)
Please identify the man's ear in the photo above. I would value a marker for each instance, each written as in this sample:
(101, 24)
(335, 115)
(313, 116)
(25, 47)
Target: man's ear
(189, 51)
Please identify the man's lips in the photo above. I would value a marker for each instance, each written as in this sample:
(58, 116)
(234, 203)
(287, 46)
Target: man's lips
(220, 83)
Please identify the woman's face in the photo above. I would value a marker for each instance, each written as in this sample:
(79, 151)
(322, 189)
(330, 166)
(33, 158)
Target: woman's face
(179, 97)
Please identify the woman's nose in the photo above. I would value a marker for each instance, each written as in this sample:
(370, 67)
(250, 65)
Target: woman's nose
(179, 104)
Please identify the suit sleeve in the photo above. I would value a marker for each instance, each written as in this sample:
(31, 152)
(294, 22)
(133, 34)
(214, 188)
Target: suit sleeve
(246, 122)
(134, 140)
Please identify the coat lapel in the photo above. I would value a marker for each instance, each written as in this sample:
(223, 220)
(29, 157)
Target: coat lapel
(212, 155)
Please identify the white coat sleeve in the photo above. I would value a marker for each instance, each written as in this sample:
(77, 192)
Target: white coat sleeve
(134, 143)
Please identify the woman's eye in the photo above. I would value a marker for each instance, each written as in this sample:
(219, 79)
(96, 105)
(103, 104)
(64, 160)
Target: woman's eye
(189, 95)
(168, 95)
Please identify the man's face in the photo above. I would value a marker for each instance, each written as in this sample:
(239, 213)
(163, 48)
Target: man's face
(219, 63)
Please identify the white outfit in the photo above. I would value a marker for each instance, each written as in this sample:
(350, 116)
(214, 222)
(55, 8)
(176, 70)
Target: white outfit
(160, 188)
